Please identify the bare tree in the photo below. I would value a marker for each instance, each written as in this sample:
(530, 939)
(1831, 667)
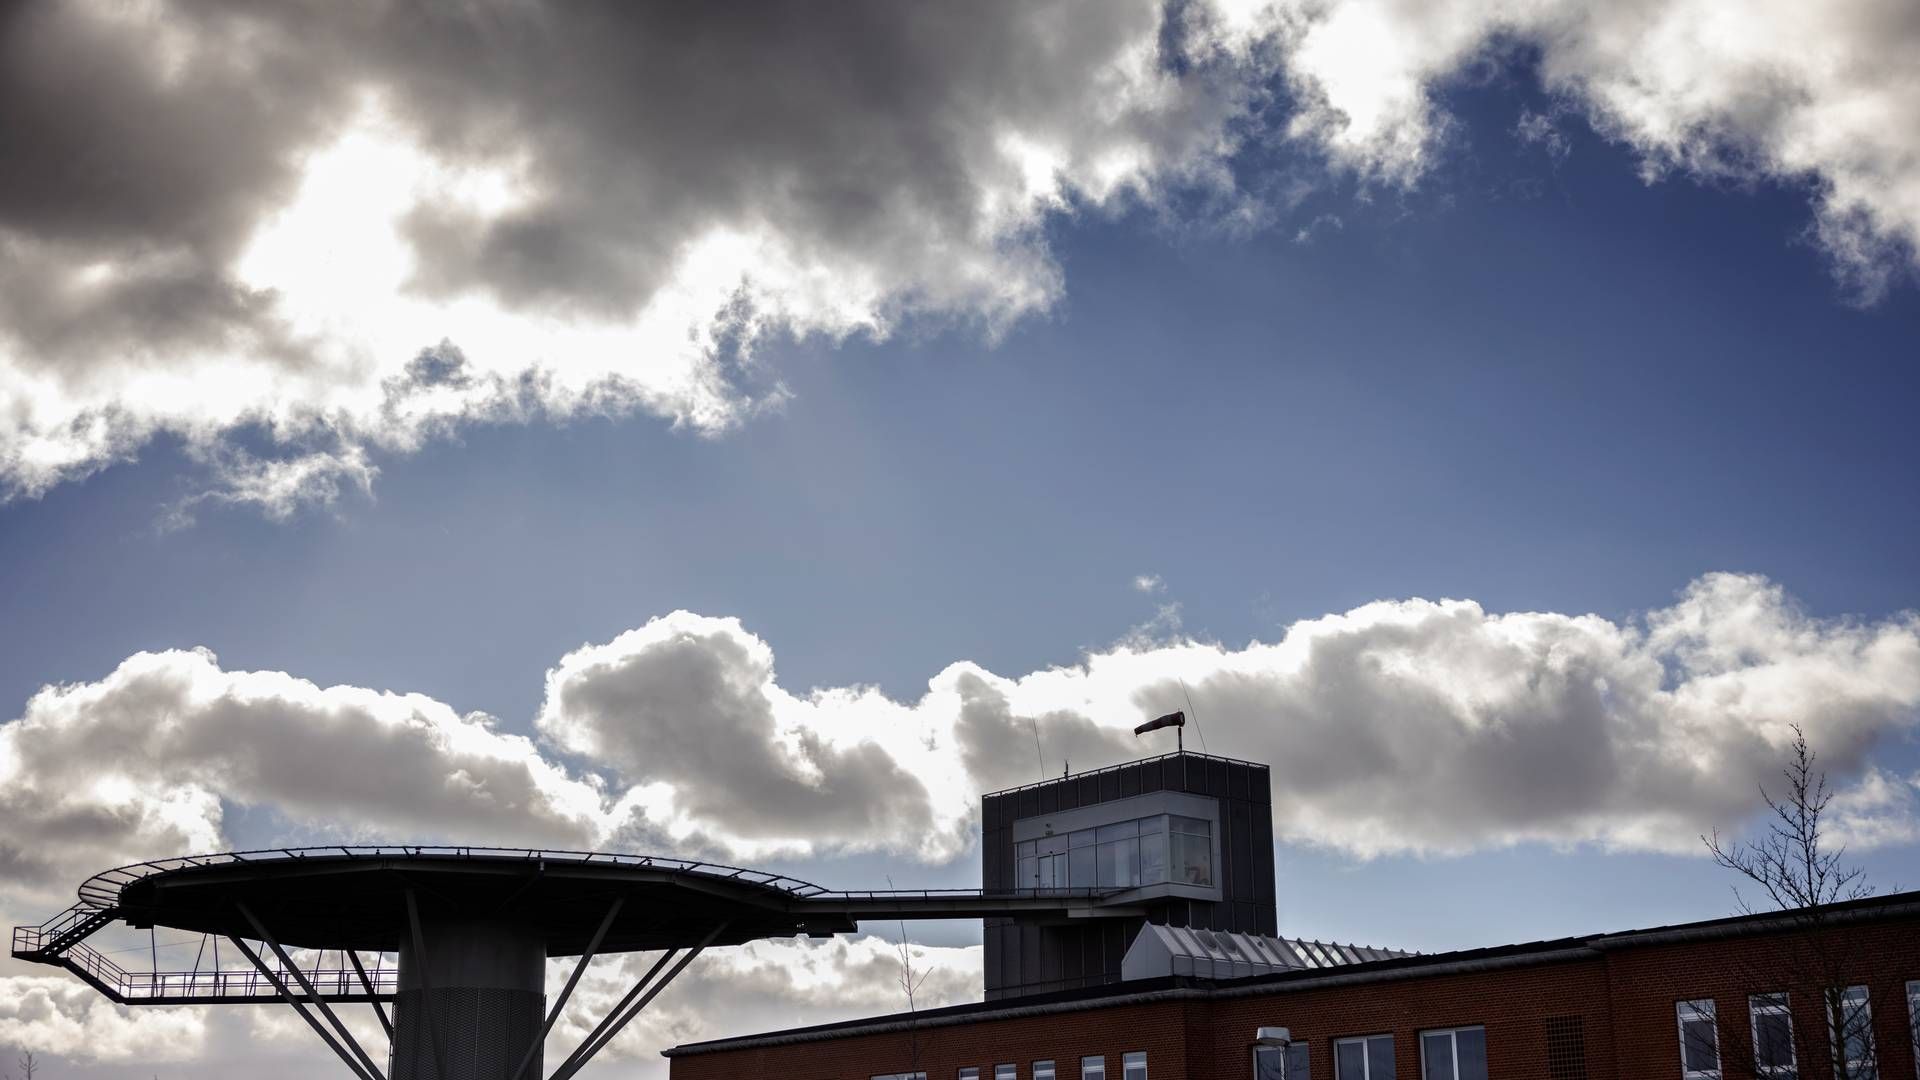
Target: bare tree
(909, 985)
(28, 1065)
(1801, 876)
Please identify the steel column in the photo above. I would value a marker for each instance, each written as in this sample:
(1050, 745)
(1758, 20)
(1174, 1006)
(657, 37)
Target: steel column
(426, 984)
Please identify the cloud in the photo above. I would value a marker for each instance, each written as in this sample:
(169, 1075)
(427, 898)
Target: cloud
(1410, 726)
(144, 762)
(1815, 95)
(56, 1014)
(243, 226)
(1539, 129)
(767, 986)
(296, 238)
(690, 704)
(1400, 726)
(1149, 584)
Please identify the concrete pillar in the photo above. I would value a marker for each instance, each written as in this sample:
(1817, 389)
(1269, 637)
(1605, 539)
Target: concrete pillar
(488, 999)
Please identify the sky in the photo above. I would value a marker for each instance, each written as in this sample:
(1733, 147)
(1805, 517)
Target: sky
(737, 434)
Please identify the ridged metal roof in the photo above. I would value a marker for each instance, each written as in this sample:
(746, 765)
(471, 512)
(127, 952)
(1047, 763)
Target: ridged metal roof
(1220, 954)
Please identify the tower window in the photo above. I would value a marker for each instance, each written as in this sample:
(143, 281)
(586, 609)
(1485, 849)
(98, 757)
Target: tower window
(1123, 855)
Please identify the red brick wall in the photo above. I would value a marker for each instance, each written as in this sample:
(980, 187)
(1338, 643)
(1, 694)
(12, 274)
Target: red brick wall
(1512, 1004)
(1157, 1029)
(1625, 996)
(1649, 981)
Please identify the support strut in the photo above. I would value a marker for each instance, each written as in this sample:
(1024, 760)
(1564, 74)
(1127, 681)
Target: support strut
(353, 957)
(615, 1020)
(313, 995)
(301, 1008)
(606, 1020)
(560, 1003)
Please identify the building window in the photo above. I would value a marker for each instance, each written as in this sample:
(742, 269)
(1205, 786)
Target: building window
(1133, 1066)
(1291, 1062)
(1006, 1072)
(971, 1072)
(1093, 1068)
(900, 1076)
(1566, 1048)
(1850, 1028)
(1119, 856)
(1366, 1058)
(1913, 1022)
(1773, 1057)
(1454, 1054)
(1192, 850)
(1699, 1040)
(1043, 1070)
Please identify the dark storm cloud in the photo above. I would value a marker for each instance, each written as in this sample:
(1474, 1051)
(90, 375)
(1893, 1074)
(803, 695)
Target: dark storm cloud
(885, 159)
(156, 151)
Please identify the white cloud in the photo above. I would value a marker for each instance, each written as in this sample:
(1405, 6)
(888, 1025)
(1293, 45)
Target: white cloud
(1149, 584)
(320, 234)
(1823, 95)
(140, 764)
(1399, 726)
(767, 986)
(1880, 810)
(296, 239)
(1414, 726)
(56, 1014)
(687, 711)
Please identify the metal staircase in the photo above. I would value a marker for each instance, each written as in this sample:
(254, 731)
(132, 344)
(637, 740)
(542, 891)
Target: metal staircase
(61, 942)
(46, 943)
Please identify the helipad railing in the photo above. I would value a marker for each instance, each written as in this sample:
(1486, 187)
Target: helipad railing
(1084, 892)
(50, 943)
(133, 987)
(103, 889)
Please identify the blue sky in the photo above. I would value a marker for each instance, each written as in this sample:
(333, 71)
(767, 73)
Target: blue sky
(1522, 374)
(1544, 386)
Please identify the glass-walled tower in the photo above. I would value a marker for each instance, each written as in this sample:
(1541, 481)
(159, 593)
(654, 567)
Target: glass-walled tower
(1187, 839)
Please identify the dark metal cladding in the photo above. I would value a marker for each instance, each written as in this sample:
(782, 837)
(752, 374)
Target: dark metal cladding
(1035, 955)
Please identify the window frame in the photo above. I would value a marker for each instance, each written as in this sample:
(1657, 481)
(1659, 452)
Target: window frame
(1093, 1067)
(1366, 1059)
(1051, 1072)
(1772, 1004)
(1302, 1047)
(1046, 864)
(1702, 1009)
(967, 1072)
(1857, 1068)
(1913, 1022)
(1453, 1045)
(1128, 1060)
(1006, 1071)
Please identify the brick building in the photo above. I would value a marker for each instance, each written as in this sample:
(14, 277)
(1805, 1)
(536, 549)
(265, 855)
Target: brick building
(1202, 989)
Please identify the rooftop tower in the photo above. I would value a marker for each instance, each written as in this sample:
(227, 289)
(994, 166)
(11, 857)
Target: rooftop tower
(1187, 839)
